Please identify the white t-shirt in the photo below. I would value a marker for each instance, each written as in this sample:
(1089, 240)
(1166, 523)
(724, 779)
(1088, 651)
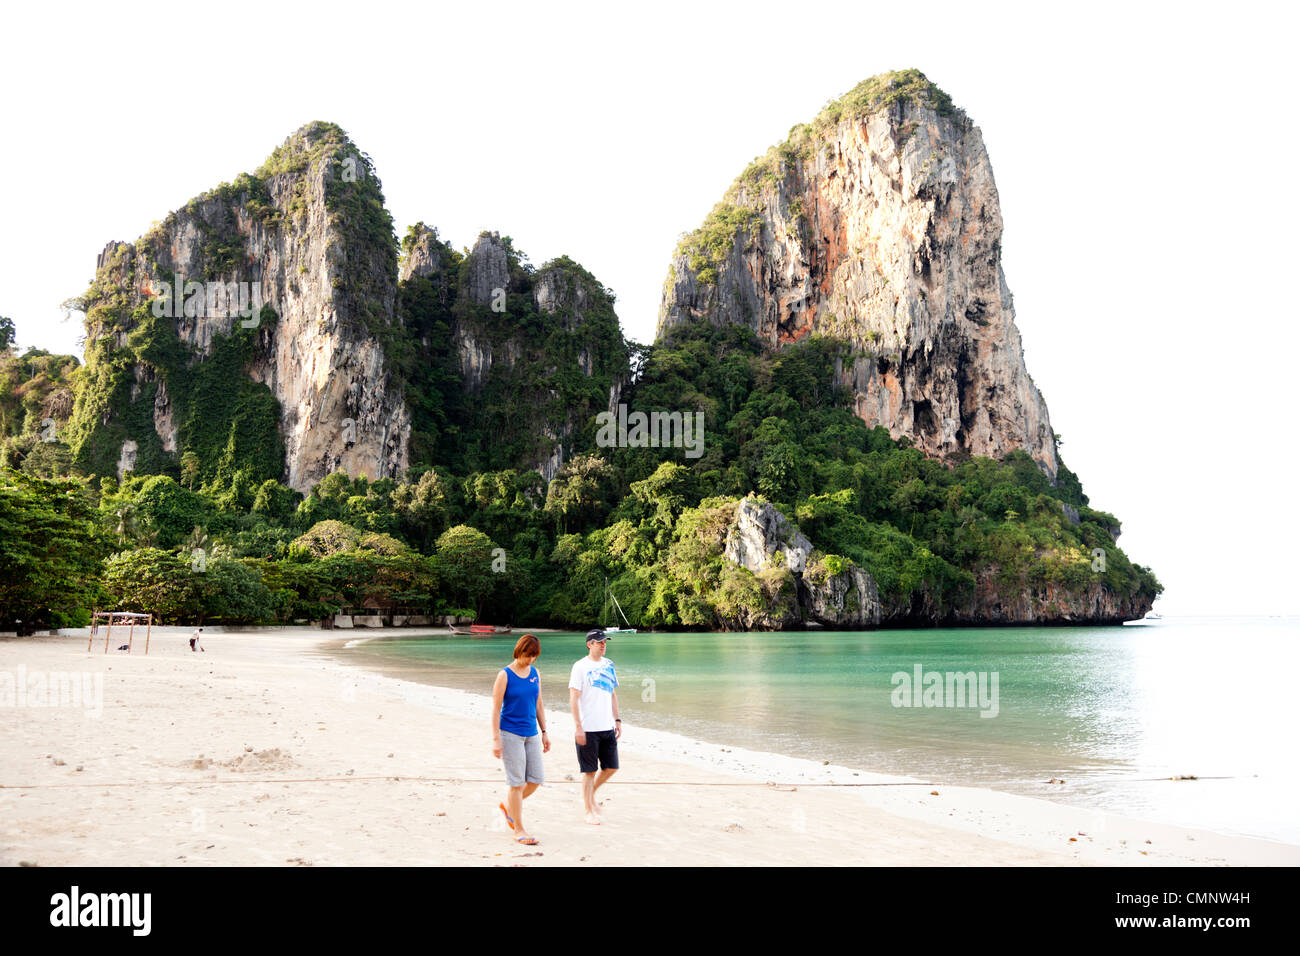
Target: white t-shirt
(595, 682)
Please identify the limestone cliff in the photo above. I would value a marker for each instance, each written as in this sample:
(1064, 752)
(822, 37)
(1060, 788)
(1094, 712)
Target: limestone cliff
(517, 361)
(993, 603)
(764, 542)
(36, 398)
(834, 592)
(304, 263)
(878, 224)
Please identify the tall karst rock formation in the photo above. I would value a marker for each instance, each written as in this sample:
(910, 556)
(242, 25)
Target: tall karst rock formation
(286, 375)
(268, 328)
(517, 361)
(878, 224)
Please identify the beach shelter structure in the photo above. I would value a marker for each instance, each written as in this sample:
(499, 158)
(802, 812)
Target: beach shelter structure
(121, 619)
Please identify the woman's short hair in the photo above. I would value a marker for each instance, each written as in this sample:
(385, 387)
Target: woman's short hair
(527, 646)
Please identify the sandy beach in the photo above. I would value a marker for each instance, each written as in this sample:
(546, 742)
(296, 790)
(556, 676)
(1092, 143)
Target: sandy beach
(264, 750)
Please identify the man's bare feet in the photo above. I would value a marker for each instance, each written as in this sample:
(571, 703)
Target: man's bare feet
(593, 819)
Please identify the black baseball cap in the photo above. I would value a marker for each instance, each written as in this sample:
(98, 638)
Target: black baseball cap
(596, 634)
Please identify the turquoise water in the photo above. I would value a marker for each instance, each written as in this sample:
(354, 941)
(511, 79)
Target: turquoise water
(1105, 709)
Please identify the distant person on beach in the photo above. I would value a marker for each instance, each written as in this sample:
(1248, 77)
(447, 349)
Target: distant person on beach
(196, 638)
(596, 725)
(517, 713)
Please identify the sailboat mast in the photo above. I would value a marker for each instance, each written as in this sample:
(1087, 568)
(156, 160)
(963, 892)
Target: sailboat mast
(620, 609)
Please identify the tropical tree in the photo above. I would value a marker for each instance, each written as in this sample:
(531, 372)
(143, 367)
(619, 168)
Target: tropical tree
(49, 551)
(579, 493)
(465, 558)
(125, 523)
(164, 507)
(149, 580)
(190, 469)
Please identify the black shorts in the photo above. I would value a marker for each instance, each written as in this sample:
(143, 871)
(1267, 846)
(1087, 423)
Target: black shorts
(601, 745)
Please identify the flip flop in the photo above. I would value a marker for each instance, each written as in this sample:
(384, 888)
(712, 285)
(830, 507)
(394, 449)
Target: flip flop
(526, 841)
(509, 821)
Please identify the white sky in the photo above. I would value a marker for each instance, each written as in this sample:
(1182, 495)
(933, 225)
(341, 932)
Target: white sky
(1145, 157)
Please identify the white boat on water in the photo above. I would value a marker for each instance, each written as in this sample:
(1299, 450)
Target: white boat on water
(610, 600)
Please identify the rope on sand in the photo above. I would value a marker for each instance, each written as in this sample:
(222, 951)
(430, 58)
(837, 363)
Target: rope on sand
(769, 784)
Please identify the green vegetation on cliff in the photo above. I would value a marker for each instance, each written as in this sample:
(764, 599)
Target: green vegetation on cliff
(883, 91)
(36, 397)
(738, 214)
(708, 247)
(551, 369)
(230, 422)
(140, 376)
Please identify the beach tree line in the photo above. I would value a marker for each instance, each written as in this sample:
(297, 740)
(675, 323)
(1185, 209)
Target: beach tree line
(505, 545)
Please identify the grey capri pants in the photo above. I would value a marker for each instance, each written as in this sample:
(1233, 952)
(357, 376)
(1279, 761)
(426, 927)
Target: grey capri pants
(523, 758)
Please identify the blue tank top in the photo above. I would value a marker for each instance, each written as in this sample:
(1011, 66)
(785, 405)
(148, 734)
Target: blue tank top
(519, 707)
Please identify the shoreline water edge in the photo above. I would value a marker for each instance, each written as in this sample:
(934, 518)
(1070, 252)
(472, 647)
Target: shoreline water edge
(267, 749)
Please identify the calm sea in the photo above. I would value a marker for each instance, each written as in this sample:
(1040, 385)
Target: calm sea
(1115, 712)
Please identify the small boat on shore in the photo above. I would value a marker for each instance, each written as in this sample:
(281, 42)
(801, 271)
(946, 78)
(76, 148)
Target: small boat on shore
(481, 630)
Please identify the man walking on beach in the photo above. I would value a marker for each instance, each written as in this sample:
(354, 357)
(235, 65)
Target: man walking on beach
(197, 638)
(596, 725)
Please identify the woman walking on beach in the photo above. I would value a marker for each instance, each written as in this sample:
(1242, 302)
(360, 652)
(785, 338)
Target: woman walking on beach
(517, 713)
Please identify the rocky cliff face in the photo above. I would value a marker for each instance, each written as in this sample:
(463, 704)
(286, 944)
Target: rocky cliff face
(423, 254)
(996, 604)
(487, 277)
(573, 301)
(761, 540)
(488, 272)
(878, 224)
(306, 236)
(534, 353)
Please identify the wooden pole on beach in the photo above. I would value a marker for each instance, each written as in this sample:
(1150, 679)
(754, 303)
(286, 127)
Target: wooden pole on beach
(130, 640)
(147, 631)
(94, 620)
(107, 631)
